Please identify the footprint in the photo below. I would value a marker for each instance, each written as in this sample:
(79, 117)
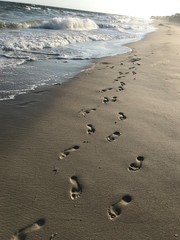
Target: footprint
(106, 89)
(113, 99)
(87, 111)
(135, 166)
(68, 151)
(115, 209)
(55, 170)
(53, 236)
(120, 88)
(41, 91)
(22, 233)
(116, 80)
(112, 67)
(135, 59)
(91, 129)
(27, 103)
(105, 100)
(76, 188)
(122, 84)
(121, 116)
(113, 136)
(133, 72)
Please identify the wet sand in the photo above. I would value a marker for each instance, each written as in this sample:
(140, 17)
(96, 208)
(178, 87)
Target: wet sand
(97, 158)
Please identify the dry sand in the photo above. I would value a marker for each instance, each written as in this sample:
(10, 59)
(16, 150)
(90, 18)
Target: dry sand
(97, 158)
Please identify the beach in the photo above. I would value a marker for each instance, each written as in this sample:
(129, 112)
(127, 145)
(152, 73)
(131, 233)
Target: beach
(98, 157)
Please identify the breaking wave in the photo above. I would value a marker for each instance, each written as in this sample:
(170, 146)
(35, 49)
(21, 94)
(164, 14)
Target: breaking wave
(57, 23)
(69, 23)
(19, 25)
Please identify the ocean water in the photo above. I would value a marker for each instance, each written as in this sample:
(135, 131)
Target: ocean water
(73, 39)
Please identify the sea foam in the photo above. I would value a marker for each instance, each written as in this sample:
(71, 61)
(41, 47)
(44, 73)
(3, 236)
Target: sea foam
(69, 23)
(32, 34)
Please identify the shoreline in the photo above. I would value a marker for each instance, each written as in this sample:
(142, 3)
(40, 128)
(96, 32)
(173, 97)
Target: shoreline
(104, 145)
(53, 65)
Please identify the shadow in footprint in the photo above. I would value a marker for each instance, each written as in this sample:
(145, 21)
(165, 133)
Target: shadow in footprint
(68, 151)
(106, 89)
(115, 209)
(122, 84)
(135, 59)
(105, 100)
(120, 88)
(91, 129)
(116, 80)
(121, 116)
(53, 236)
(76, 188)
(22, 233)
(26, 103)
(87, 111)
(113, 136)
(113, 99)
(135, 166)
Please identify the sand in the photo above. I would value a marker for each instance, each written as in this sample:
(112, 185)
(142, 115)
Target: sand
(97, 158)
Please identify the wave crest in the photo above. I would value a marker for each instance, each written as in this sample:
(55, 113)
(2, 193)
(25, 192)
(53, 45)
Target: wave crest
(69, 23)
(18, 25)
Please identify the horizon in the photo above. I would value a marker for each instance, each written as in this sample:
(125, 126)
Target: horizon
(167, 11)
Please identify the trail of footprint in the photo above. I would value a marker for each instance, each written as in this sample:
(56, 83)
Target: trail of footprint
(121, 116)
(76, 188)
(22, 233)
(115, 209)
(87, 111)
(91, 129)
(113, 136)
(66, 152)
(135, 166)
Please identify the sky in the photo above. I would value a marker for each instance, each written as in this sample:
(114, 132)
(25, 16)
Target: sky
(141, 8)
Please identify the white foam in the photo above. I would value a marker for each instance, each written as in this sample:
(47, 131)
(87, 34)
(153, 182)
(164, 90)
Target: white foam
(69, 23)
